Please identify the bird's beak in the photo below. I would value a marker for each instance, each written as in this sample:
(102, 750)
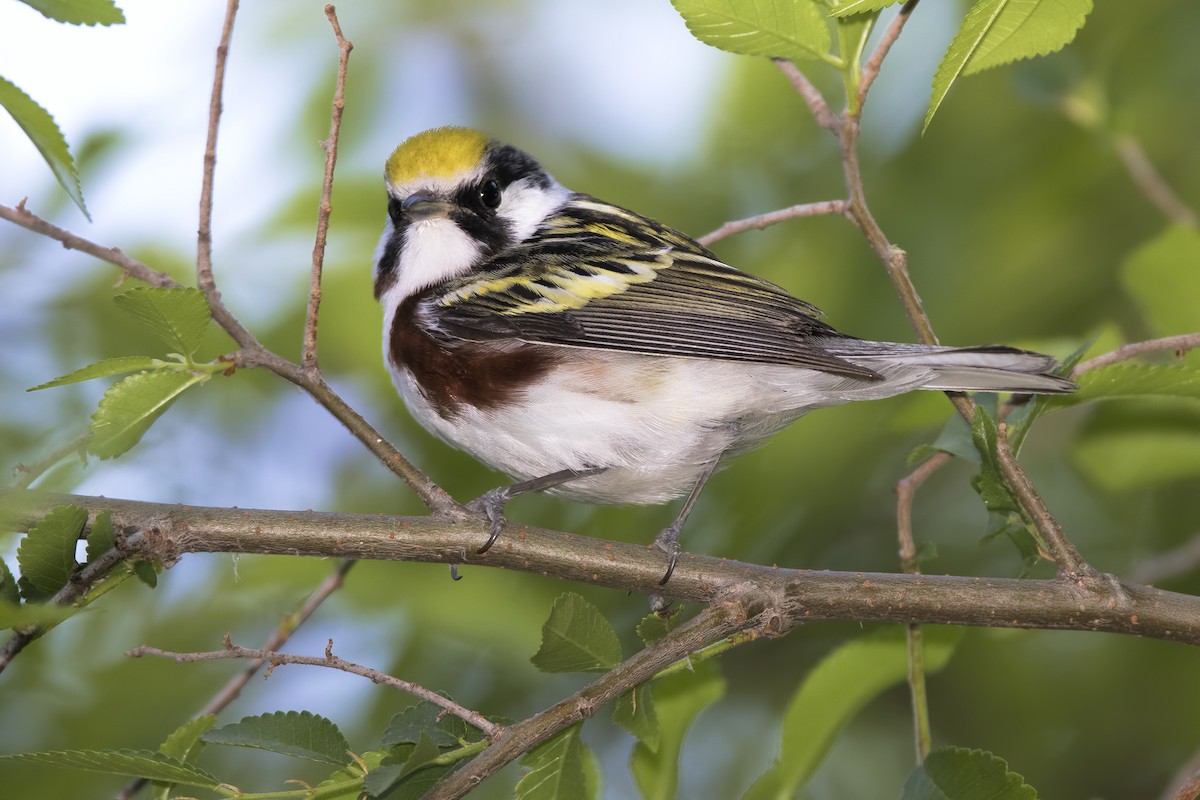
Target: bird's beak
(422, 205)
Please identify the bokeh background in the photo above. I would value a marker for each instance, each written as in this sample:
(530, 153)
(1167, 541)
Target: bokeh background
(1017, 222)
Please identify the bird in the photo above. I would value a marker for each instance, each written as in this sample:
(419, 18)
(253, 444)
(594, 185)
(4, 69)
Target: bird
(595, 354)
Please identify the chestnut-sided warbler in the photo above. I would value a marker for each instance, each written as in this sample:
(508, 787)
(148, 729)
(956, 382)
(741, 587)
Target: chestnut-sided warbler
(593, 353)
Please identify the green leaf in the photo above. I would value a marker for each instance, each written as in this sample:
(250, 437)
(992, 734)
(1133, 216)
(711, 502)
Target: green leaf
(101, 538)
(955, 773)
(146, 572)
(183, 744)
(634, 711)
(23, 615)
(834, 691)
(300, 734)
(678, 700)
(577, 638)
(655, 626)
(132, 404)
(1163, 279)
(79, 12)
(996, 32)
(46, 555)
(1132, 380)
(101, 369)
(9, 593)
(428, 719)
(41, 129)
(861, 7)
(179, 317)
(794, 29)
(556, 769)
(133, 763)
(348, 780)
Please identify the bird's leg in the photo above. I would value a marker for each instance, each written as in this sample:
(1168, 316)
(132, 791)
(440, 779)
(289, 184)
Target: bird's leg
(668, 539)
(491, 504)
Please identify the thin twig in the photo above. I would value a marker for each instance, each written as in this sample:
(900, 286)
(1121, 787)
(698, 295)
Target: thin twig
(28, 473)
(822, 113)
(204, 270)
(871, 68)
(253, 354)
(309, 356)
(1189, 790)
(329, 661)
(905, 489)
(115, 256)
(1180, 344)
(710, 625)
(75, 588)
(1151, 182)
(760, 221)
(1070, 563)
(278, 638)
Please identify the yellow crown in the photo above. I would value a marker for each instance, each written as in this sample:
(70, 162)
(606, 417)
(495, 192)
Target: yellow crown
(437, 153)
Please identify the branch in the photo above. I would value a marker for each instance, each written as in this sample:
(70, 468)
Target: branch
(871, 68)
(811, 95)
(710, 625)
(1151, 182)
(204, 273)
(282, 633)
(309, 357)
(330, 661)
(253, 354)
(172, 530)
(1180, 344)
(28, 473)
(770, 218)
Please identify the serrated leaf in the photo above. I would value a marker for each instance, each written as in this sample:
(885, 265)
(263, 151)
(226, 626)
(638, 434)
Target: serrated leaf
(131, 405)
(9, 593)
(655, 626)
(46, 555)
(101, 369)
(794, 29)
(834, 691)
(634, 711)
(179, 317)
(678, 700)
(1163, 278)
(79, 12)
(993, 491)
(132, 763)
(300, 734)
(23, 615)
(955, 773)
(1028, 29)
(349, 781)
(183, 744)
(42, 130)
(556, 769)
(996, 32)
(1133, 380)
(426, 719)
(577, 638)
(101, 538)
(861, 7)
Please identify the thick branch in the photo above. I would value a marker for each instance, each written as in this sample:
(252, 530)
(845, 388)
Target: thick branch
(171, 530)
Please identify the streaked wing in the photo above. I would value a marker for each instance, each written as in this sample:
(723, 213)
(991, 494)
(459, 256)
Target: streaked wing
(653, 291)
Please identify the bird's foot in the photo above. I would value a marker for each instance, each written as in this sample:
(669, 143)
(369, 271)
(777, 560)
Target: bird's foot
(491, 505)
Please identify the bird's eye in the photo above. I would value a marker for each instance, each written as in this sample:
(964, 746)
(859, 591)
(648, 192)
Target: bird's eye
(489, 194)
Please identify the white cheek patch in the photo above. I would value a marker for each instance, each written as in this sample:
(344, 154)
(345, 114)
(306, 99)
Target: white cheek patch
(434, 250)
(526, 206)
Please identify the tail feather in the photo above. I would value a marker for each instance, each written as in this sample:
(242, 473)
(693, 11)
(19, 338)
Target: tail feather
(990, 368)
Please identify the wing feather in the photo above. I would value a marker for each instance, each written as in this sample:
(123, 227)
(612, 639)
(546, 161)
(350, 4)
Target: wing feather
(602, 277)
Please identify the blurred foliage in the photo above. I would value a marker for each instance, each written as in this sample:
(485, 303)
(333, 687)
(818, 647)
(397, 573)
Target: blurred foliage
(1022, 227)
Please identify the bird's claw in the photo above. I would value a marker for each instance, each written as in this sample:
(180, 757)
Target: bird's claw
(668, 542)
(491, 505)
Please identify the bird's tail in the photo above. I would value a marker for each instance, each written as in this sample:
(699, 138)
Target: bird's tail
(991, 368)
